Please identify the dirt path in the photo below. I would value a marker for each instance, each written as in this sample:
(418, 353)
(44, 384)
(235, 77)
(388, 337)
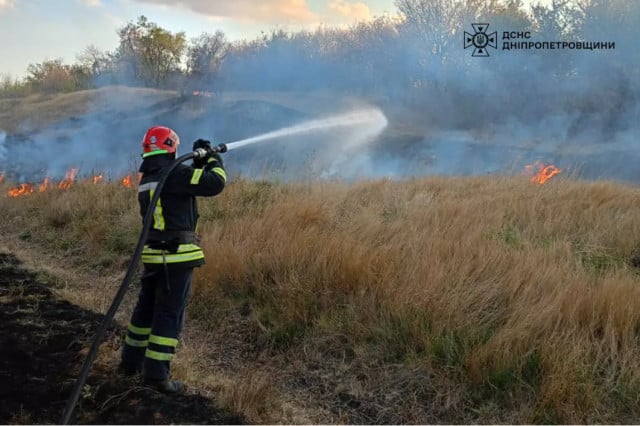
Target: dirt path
(43, 341)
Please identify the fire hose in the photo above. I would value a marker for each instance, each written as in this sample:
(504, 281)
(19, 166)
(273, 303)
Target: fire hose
(199, 153)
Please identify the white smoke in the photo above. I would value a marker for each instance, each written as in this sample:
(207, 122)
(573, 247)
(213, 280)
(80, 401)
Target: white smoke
(3, 148)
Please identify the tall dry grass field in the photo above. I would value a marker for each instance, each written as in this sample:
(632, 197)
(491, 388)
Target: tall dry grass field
(432, 300)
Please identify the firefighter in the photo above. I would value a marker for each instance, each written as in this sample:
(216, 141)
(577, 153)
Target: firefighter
(169, 256)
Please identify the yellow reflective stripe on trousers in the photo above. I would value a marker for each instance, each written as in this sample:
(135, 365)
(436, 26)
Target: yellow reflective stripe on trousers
(220, 172)
(159, 356)
(158, 217)
(138, 330)
(172, 258)
(186, 253)
(165, 341)
(136, 343)
(195, 177)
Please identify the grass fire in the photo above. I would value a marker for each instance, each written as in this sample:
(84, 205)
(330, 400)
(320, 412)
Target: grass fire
(371, 298)
(539, 173)
(414, 228)
(65, 183)
(538, 305)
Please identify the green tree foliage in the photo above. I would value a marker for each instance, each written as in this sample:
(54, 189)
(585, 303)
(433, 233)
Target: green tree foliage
(416, 56)
(52, 76)
(149, 53)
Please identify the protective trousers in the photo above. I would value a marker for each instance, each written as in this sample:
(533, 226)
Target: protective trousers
(157, 320)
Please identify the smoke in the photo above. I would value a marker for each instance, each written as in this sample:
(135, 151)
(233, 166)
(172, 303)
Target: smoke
(3, 148)
(441, 111)
(453, 114)
(334, 140)
(89, 143)
(351, 155)
(320, 147)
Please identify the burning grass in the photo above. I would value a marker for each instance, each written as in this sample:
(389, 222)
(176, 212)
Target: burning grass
(64, 184)
(469, 300)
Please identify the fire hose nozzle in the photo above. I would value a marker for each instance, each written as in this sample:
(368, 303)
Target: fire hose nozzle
(221, 148)
(204, 153)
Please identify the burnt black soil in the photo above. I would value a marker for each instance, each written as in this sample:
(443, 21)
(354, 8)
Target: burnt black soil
(43, 341)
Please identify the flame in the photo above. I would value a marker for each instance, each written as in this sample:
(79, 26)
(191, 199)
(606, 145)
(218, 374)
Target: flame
(46, 184)
(128, 182)
(69, 178)
(540, 173)
(66, 183)
(23, 189)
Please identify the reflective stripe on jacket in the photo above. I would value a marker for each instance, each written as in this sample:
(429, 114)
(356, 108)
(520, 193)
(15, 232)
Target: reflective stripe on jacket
(176, 209)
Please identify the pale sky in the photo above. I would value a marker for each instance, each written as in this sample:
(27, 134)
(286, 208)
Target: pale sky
(34, 30)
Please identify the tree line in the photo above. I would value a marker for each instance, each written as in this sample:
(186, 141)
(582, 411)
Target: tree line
(389, 56)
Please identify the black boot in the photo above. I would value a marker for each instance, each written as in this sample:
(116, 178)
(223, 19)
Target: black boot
(165, 386)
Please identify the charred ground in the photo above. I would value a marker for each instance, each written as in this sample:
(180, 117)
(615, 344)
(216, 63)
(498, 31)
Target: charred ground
(43, 341)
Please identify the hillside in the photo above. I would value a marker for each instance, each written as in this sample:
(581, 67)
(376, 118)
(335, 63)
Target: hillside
(98, 131)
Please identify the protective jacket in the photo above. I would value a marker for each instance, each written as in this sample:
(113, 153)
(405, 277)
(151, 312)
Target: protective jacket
(172, 239)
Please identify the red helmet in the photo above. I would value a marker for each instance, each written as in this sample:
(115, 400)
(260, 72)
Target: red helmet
(159, 140)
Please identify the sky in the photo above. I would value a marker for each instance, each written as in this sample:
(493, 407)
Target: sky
(32, 31)
(35, 30)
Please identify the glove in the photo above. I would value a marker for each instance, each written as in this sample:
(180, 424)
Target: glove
(201, 162)
(202, 143)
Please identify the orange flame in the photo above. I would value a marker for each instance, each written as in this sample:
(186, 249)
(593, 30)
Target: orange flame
(540, 173)
(46, 184)
(66, 183)
(69, 178)
(23, 189)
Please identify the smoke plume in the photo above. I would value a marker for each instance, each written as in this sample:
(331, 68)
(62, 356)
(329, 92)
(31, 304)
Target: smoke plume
(448, 113)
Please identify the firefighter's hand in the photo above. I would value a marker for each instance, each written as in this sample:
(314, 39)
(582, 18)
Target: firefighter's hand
(205, 144)
(202, 143)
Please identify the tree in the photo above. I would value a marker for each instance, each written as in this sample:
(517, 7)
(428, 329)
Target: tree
(438, 21)
(206, 53)
(52, 76)
(560, 20)
(95, 60)
(431, 32)
(149, 53)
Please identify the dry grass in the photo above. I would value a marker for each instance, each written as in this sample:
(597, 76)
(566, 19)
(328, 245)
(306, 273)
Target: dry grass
(457, 300)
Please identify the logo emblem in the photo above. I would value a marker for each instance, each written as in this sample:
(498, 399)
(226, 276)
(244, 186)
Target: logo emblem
(480, 40)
